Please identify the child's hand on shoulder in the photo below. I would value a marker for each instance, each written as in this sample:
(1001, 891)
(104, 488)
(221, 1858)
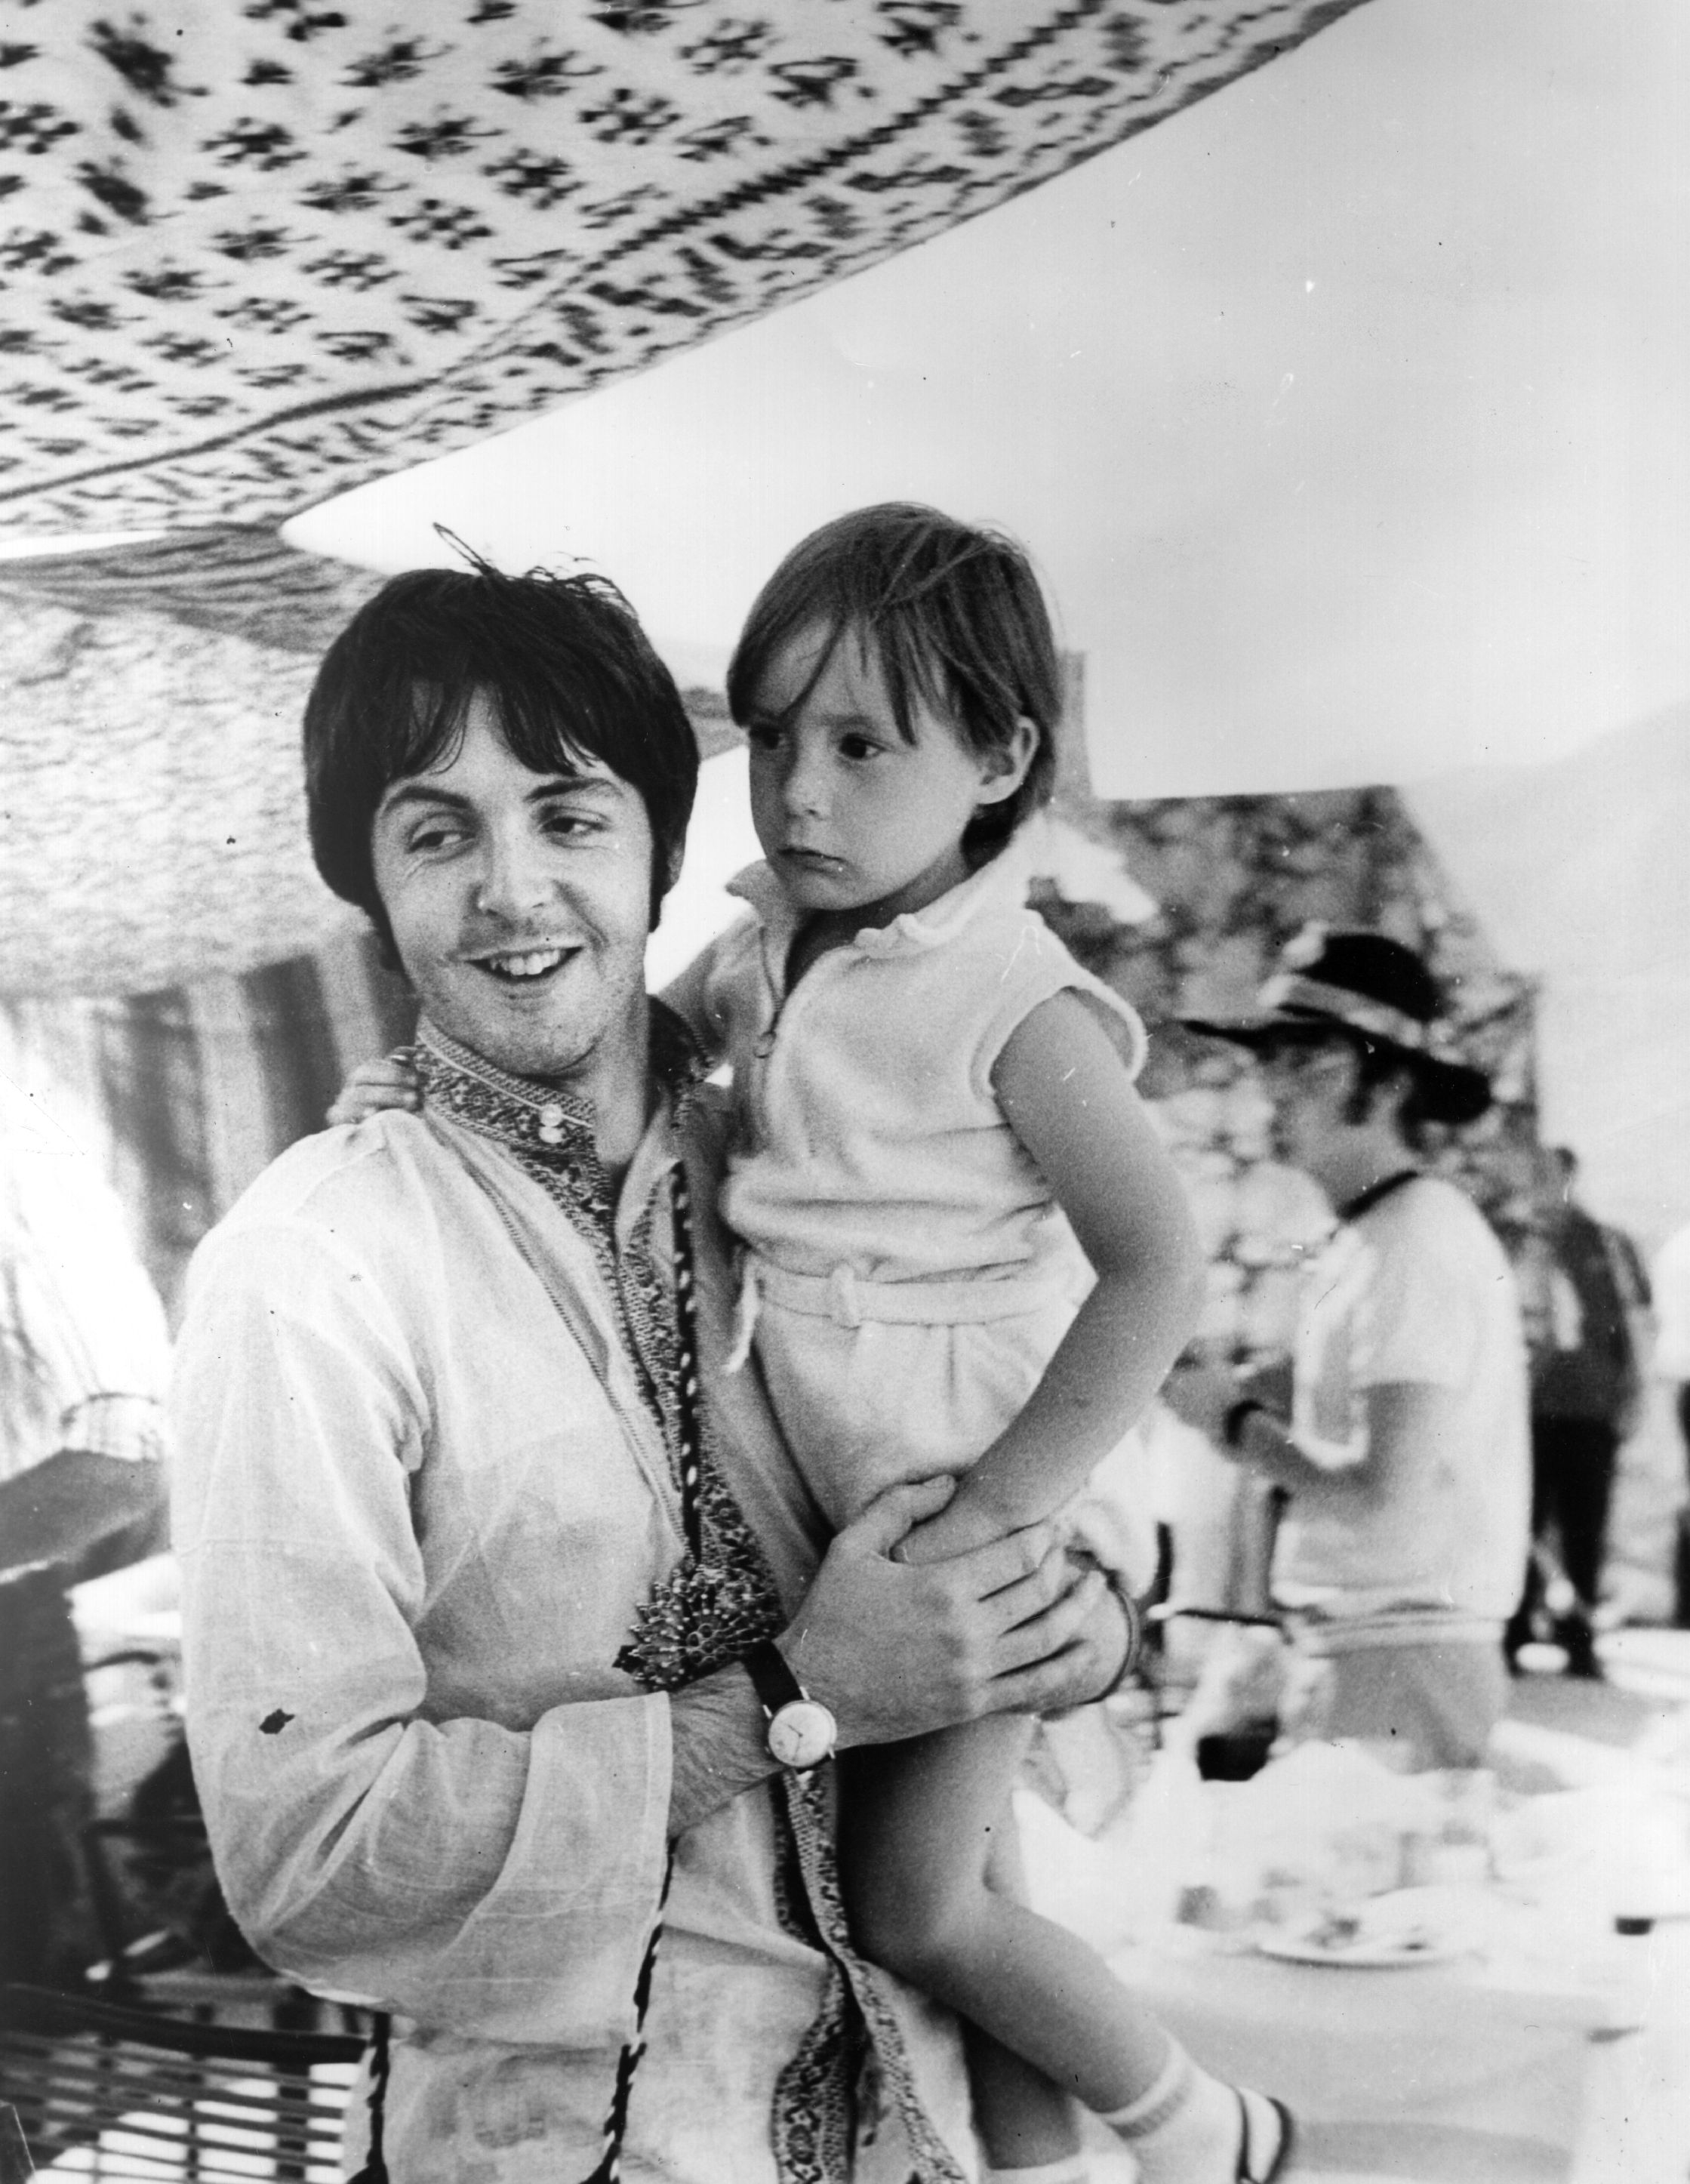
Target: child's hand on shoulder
(391, 1082)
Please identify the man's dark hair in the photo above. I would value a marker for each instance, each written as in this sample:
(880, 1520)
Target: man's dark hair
(563, 662)
(1382, 1066)
(953, 614)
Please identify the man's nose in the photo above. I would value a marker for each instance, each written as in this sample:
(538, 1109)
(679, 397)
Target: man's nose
(515, 877)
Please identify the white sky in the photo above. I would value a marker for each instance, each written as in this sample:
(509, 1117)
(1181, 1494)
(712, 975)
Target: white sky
(1346, 414)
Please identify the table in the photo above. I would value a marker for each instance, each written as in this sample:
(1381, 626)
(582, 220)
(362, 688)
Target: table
(1557, 2052)
(1431, 2071)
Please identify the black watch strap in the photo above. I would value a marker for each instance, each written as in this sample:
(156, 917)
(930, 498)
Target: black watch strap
(772, 1678)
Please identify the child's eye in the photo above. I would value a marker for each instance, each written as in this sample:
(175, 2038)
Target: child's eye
(858, 747)
(763, 735)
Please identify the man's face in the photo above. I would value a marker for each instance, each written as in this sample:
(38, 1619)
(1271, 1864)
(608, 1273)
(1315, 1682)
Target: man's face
(519, 902)
(1309, 1083)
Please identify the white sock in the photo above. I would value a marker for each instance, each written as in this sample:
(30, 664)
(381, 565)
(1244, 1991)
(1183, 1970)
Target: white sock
(1070, 2170)
(1186, 2128)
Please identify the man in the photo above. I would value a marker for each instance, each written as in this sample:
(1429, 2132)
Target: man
(1585, 1291)
(503, 1608)
(1405, 1455)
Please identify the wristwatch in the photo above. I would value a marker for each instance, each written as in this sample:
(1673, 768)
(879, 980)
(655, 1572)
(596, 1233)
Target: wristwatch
(802, 1730)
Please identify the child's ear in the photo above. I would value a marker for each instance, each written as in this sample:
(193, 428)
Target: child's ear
(1006, 770)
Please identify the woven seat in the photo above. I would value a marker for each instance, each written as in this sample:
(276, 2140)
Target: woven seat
(148, 2097)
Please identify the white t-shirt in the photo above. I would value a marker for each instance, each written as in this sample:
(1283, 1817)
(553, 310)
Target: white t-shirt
(1669, 1281)
(1417, 1289)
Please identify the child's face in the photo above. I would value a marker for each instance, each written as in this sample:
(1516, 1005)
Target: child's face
(851, 816)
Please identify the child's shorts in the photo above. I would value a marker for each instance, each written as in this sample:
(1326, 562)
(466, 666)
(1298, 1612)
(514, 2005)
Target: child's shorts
(868, 1400)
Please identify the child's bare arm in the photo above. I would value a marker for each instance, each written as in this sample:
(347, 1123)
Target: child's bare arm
(1069, 1099)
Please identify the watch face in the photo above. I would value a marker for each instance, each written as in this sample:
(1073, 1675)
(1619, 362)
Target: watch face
(801, 1735)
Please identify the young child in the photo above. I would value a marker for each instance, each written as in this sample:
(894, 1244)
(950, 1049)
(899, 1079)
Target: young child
(965, 1250)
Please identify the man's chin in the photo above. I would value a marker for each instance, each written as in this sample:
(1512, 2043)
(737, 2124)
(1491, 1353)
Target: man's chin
(528, 1034)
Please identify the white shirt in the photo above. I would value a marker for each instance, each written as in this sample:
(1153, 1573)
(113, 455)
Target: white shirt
(1416, 1289)
(420, 1497)
(869, 1136)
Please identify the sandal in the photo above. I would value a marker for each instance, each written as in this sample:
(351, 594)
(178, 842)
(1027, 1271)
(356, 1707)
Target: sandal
(1259, 2158)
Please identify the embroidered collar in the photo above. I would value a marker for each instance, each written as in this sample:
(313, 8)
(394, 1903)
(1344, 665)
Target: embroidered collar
(999, 885)
(528, 1115)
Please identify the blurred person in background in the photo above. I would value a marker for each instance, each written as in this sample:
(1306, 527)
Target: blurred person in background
(1405, 1454)
(1584, 1292)
(84, 1359)
(1672, 1299)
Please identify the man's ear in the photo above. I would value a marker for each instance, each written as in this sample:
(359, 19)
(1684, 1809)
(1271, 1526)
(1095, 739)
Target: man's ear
(672, 872)
(1007, 769)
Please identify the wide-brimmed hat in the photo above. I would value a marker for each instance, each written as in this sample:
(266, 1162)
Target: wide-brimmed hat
(1367, 983)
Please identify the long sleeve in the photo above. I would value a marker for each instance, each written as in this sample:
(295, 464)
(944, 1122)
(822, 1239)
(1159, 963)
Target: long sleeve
(386, 1822)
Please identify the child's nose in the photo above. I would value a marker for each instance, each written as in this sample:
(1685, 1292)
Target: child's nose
(806, 781)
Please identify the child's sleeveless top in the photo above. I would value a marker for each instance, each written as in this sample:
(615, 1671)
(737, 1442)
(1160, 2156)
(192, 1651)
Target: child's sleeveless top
(869, 1136)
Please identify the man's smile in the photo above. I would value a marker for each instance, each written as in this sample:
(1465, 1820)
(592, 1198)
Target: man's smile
(520, 967)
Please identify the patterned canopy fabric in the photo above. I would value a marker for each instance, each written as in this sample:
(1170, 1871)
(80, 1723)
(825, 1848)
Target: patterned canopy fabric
(258, 252)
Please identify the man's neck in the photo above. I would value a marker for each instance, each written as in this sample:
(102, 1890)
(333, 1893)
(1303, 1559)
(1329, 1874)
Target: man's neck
(623, 1098)
(1355, 1159)
(614, 1087)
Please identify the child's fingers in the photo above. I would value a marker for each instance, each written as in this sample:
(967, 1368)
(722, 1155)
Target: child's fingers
(388, 1073)
(372, 1086)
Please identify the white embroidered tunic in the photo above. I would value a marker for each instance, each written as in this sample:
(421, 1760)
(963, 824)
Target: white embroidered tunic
(422, 1494)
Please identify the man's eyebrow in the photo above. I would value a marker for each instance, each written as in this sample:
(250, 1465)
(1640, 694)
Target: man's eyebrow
(419, 790)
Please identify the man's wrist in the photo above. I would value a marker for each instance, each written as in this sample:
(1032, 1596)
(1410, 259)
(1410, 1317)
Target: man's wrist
(802, 1731)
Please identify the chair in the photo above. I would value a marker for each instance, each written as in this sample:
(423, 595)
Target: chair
(137, 2095)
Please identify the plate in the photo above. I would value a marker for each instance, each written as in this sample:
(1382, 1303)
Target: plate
(1364, 1955)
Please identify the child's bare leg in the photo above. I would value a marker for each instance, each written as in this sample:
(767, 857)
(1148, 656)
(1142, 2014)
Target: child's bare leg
(920, 1820)
(1025, 2123)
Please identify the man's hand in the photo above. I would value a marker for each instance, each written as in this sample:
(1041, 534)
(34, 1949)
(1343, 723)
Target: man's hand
(896, 1651)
